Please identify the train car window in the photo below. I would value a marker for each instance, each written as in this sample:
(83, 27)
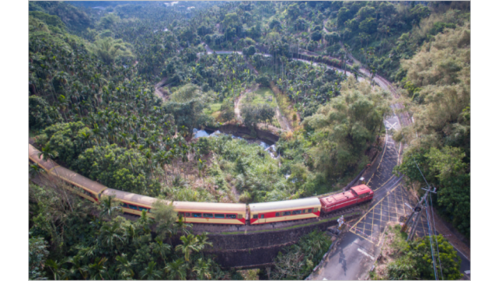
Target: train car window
(296, 212)
(125, 205)
(181, 214)
(287, 213)
(230, 216)
(315, 209)
(208, 215)
(187, 214)
(133, 207)
(278, 214)
(219, 216)
(281, 213)
(240, 216)
(261, 216)
(309, 210)
(255, 216)
(196, 215)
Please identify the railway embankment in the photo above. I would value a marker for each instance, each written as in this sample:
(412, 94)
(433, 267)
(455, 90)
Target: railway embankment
(259, 248)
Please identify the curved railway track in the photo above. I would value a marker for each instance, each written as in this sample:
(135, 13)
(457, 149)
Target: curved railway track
(77, 180)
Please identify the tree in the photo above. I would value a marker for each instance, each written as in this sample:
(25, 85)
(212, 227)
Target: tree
(108, 206)
(165, 217)
(125, 267)
(176, 269)
(343, 127)
(161, 248)
(109, 50)
(189, 244)
(38, 254)
(448, 261)
(41, 114)
(202, 269)
(150, 272)
(316, 36)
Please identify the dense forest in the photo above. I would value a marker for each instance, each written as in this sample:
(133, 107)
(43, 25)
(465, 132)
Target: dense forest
(117, 91)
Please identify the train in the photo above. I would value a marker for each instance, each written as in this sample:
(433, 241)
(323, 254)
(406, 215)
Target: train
(208, 213)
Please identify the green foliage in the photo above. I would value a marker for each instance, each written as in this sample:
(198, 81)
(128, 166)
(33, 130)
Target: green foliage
(82, 247)
(448, 262)
(37, 256)
(42, 114)
(441, 103)
(114, 166)
(345, 127)
(298, 261)
(67, 140)
(253, 114)
(402, 269)
(111, 50)
(413, 260)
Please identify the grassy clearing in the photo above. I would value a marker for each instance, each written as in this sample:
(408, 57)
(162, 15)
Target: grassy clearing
(213, 110)
(263, 95)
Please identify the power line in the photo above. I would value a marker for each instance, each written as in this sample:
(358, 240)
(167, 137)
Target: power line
(430, 240)
(428, 223)
(437, 245)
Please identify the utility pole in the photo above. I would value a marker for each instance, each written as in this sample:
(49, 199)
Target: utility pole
(416, 212)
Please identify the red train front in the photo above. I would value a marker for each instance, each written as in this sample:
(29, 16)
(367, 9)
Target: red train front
(356, 195)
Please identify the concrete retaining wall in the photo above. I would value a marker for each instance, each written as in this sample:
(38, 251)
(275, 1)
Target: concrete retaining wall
(257, 249)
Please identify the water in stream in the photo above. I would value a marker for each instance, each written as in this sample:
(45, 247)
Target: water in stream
(270, 148)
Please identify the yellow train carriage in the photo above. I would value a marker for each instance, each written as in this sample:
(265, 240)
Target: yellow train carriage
(79, 184)
(132, 203)
(217, 213)
(288, 210)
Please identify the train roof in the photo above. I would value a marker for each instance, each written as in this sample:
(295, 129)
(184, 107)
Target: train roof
(335, 198)
(78, 180)
(34, 155)
(282, 205)
(132, 198)
(360, 189)
(184, 206)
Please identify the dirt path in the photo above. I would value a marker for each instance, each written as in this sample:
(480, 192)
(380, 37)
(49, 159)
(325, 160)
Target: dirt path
(158, 92)
(237, 101)
(284, 123)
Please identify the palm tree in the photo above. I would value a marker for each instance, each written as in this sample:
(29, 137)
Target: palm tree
(125, 266)
(57, 270)
(176, 269)
(35, 170)
(189, 244)
(202, 269)
(108, 206)
(47, 153)
(77, 265)
(97, 269)
(150, 273)
(110, 234)
(203, 240)
(161, 248)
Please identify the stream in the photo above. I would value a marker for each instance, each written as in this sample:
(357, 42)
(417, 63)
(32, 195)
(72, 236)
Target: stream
(266, 145)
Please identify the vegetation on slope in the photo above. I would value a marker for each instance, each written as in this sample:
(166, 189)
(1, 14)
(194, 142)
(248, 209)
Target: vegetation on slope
(438, 93)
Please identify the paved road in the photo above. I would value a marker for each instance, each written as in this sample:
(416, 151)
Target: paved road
(356, 254)
(360, 246)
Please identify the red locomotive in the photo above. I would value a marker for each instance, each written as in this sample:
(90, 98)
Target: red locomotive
(356, 195)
